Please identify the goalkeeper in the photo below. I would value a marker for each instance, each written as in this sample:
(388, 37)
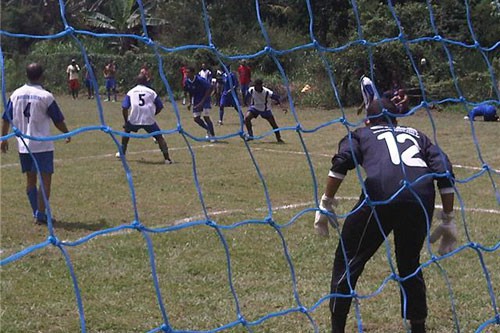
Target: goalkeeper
(391, 156)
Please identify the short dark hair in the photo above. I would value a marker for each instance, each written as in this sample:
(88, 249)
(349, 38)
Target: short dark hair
(34, 71)
(375, 111)
(141, 79)
(258, 82)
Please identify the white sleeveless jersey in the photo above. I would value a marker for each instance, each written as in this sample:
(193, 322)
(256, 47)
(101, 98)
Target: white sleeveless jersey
(33, 109)
(261, 101)
(141, 101)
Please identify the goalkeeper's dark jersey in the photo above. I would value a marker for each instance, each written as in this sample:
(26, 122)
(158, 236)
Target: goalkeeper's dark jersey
(390, 156)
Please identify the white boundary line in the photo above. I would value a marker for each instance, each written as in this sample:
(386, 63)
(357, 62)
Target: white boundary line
(459, 166)
(233, 211)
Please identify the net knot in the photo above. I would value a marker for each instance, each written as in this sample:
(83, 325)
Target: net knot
(137, 225)
(70, 30)
(437, 38)
(54, 241)
(242, 319)
(211, 223)
(166, 328)
(106, 129)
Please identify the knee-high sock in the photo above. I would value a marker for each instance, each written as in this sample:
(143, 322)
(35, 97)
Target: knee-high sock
(33, 199)
(210, 126)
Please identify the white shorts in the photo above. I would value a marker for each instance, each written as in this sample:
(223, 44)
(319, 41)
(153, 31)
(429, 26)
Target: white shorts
(204, 113)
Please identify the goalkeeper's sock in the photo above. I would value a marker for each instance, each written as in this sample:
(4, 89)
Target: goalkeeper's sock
(418, 327)
(338, 324)
(33, 198)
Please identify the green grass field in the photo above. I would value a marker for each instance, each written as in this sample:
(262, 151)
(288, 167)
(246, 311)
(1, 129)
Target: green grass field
(90, 193)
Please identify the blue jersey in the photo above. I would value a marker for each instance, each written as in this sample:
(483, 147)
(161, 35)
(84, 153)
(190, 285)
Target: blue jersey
(230, 82)
(487, 111)
(198, 89)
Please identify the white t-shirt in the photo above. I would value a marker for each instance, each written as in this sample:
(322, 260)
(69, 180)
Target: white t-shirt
(32, 109)
(142, 102)
(205, 73)
(261, 101)
(73, 71)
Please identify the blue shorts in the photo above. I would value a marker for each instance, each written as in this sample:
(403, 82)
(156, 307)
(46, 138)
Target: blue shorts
(227, 100)
(110, 83)
(264, 114)
(45, 161)
(148, 128)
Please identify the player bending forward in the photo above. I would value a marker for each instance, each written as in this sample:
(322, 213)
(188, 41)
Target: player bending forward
(392, 157)
(140, 106)
(260, 105)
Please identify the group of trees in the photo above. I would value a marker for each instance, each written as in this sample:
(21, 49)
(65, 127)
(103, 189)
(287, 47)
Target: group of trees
(234, 29)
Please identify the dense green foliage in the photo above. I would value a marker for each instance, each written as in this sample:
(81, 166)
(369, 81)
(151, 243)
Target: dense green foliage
(235, 32)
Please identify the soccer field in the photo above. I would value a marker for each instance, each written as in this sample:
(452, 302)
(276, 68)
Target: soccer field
(274, 271)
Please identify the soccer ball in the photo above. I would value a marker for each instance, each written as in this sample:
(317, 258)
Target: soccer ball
(423, 61)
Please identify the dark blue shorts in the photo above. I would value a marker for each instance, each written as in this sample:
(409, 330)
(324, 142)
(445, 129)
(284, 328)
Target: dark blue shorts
(110, 84)
(45, 161)
(148, 128)
(264, 114)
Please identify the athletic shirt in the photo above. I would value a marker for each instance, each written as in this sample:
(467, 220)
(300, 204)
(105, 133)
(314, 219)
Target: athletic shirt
(143, 103)
(229, 83)
(261, 101)
(206, 74)
(391, 155)
(197, 88)
(245, 74)
(368, 90)
(31, 109)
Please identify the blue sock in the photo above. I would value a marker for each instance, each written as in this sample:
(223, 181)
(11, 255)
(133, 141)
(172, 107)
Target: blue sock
(33, 198)
(41, 216)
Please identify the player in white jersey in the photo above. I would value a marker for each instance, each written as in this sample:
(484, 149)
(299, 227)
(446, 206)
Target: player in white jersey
(205, 73)
(73, 78)
(140, 106)
(30, 110)
(260, 105)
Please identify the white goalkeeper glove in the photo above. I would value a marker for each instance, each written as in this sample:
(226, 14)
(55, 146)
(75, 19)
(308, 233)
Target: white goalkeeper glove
(321, 220)
(447, 231)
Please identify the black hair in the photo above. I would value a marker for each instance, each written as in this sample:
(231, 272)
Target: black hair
(379, 109)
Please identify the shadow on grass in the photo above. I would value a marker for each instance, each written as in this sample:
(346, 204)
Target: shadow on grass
(99, 225)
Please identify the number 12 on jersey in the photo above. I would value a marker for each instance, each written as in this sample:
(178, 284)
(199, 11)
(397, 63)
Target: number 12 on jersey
(408, 155)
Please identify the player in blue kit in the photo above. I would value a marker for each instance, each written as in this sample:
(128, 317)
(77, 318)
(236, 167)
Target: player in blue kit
(31, 109)
(488, 112)
(227, 99)
(199, 91)
(368, 90)
(391, 156)
(260, 105)
(140, 106)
